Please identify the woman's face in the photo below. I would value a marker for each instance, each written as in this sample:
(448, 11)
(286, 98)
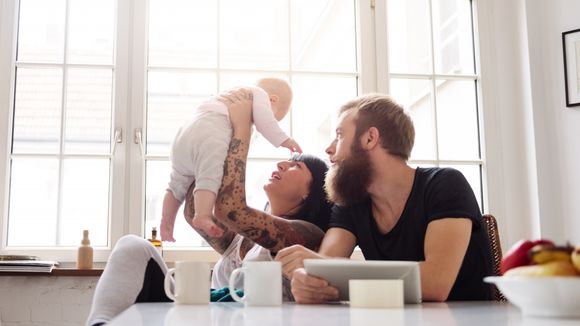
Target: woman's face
(290, 181)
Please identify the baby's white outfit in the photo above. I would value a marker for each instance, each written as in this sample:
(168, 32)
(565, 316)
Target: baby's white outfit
(200, 147)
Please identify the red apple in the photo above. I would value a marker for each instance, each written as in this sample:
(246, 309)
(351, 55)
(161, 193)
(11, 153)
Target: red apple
(517, 255)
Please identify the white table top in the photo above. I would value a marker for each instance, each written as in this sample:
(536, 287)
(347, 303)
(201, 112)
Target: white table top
(235, 314)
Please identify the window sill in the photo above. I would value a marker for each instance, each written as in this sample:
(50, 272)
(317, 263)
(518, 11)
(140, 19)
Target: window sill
(65, 269)
(59, 272)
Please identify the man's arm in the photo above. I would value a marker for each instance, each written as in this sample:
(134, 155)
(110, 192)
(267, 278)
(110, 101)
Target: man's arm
(337, 242)
(446, 243)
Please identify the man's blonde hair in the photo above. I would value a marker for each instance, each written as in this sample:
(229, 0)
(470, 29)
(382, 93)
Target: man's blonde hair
(395, 126)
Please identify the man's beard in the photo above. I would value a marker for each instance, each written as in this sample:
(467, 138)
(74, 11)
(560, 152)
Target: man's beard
(348, 180)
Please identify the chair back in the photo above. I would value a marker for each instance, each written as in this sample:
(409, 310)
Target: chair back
(496, 253)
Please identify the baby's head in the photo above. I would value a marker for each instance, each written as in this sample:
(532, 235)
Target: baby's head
(280, 94)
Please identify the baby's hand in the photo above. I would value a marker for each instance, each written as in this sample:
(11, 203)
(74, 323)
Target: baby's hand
(292, 145)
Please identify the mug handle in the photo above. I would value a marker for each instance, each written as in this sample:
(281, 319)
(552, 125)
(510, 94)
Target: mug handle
(169, 280)
(233, 293)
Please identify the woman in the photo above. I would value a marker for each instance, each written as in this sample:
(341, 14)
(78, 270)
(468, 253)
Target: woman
(298, 213)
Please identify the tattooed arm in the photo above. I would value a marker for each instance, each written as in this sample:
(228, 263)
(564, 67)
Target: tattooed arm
(231, 209)
(218, 244)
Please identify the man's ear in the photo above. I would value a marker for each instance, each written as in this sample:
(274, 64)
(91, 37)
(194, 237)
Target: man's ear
(371, 138)
(274, 98)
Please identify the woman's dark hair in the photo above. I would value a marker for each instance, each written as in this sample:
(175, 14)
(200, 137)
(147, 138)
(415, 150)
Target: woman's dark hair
(316, 207)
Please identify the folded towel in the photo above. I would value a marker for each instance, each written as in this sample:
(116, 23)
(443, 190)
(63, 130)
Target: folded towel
(223, 295)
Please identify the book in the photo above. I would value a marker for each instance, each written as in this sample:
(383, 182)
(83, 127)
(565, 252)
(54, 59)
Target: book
(34, 266)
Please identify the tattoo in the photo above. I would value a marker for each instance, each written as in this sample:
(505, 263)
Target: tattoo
(232, 216)
(235, 145)
(240, 169)
(265, 240)
(226, 168)
(271, 232)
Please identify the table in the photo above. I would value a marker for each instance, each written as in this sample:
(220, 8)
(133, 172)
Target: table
(235, 314)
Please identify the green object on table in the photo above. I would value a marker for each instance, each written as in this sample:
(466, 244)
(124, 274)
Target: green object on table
(223, 295)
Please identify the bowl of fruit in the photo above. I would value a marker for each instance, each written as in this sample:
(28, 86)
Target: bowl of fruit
(541, 278)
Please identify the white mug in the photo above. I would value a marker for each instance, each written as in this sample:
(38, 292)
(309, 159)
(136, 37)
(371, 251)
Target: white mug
(190, 283)
(262, 283)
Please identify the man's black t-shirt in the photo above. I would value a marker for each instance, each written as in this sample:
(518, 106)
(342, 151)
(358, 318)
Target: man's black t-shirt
(437, 193)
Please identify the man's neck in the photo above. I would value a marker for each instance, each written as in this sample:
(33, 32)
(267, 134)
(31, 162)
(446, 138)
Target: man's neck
(391, 186)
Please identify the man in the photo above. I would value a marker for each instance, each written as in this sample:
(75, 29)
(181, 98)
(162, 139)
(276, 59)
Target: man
(395, 212)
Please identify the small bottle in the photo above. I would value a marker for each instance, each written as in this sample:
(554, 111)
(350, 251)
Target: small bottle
(85, 253)
(156, 242)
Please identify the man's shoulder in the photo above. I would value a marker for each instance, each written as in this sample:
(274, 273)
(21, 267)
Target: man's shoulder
(438, 173)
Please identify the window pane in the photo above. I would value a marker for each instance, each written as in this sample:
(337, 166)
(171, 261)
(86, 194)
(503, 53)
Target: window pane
(259, 42)
(183, 33)
(457, 120)
(453, 36)
(91, 28)
(172, 97)
(37, 111)
(415, 96)
(156, 185)
(85, 201)
(33, 202)
(315, 109)
(260, 147)
(41, 31)
(409, 36)
(473, 175)
(88, 111)
(323, 35)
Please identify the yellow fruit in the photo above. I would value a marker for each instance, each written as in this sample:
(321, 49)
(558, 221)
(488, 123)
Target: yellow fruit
(541, 254)
(576, 258)
(554, 268)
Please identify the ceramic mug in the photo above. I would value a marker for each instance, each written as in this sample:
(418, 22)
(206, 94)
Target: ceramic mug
(262, 283)
(188, 282)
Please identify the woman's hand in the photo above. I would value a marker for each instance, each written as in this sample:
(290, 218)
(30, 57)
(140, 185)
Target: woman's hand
(293, 257)
(310, 289)
(239, 103)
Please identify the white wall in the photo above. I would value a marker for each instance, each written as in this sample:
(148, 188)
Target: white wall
(533, 155)
(557, 127)
(507, 118)
(45, 300)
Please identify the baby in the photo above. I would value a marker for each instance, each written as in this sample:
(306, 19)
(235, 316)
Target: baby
(200, 148)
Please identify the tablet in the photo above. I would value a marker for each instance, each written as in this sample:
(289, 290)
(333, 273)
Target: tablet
(339, 271)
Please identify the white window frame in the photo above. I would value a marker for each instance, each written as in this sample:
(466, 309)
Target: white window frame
(130, 73)
(118, 187)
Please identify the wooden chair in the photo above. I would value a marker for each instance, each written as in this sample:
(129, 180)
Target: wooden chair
(496, 253)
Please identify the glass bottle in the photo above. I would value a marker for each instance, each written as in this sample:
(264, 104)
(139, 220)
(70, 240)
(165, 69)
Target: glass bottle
(156, 242)
(85, 253)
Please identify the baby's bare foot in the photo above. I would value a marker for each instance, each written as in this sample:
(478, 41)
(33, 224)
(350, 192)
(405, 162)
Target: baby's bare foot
(208, 226)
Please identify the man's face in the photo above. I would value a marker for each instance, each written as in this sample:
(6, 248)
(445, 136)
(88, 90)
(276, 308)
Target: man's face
(345, 131)
(349, 176)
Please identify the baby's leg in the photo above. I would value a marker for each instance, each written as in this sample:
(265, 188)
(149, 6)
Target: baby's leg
(170, 207)
(204, 201)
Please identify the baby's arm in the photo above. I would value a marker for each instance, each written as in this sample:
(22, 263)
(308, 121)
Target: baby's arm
(169, 212)
(264, 118)
(292, 145)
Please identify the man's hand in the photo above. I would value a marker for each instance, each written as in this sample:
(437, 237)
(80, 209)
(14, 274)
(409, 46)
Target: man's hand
(310, 289)
(293, 257)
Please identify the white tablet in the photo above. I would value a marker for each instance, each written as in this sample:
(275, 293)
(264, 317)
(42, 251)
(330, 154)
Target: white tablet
(339, 271)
